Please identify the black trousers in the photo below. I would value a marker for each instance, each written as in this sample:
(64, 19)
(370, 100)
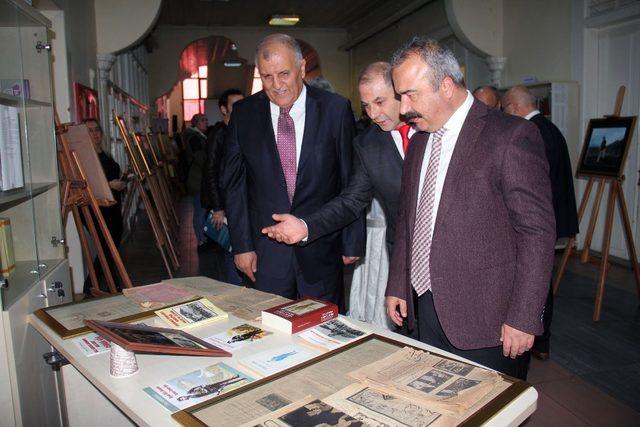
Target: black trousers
(431, 333)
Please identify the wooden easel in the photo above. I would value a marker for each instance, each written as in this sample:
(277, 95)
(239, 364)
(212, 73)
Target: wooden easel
(615, 193)
(163, 187)
(157, 219)
(78, 198)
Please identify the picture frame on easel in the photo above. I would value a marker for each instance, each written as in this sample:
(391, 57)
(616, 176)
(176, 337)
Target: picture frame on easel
(606, 146)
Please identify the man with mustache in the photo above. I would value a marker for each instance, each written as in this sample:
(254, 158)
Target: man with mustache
(288, 149)
(379, 154)
(474, 241)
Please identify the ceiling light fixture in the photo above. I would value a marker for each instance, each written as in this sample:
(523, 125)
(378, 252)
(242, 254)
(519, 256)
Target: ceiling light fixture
(283, 20)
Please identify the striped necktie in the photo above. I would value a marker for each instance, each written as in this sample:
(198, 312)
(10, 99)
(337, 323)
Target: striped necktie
(423, 228)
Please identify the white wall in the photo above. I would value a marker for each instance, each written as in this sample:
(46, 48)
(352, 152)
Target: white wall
(537, 40)
(123, 23)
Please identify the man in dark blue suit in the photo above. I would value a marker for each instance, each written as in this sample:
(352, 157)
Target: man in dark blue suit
(289, 149)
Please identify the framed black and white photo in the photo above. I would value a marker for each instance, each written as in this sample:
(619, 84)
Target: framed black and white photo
(606, 146)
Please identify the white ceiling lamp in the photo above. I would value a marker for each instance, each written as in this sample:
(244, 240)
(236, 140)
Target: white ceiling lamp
(283, 20)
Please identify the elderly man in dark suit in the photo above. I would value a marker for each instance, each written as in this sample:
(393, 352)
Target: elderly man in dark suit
(289, 149)
(520, 102)
(474, 241)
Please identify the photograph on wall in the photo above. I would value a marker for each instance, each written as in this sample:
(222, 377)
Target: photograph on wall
(606, 146)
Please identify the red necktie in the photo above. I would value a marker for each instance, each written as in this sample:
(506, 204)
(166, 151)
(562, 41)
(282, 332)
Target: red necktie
(404, 133)
(286, 143)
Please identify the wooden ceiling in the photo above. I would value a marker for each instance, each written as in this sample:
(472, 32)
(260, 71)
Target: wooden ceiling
(313, 13)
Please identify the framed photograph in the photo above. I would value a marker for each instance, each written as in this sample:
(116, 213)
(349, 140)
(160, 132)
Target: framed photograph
(86, 102)
(148, 339)
(606, 146)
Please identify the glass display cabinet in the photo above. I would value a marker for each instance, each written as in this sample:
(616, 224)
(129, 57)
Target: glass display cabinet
(35, 272)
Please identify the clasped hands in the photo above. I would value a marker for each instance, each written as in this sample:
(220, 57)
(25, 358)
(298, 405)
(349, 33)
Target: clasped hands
(514, 341)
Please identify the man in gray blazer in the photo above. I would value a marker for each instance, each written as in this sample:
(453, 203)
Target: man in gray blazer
(474, 240)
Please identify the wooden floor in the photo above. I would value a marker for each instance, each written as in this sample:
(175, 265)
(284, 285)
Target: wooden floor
(592, 378)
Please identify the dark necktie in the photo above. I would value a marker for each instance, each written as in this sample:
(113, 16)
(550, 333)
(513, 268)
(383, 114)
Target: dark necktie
(423, 228)
(404, 133)
(286, 142)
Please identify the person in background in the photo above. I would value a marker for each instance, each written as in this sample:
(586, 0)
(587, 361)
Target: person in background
(112, 214)
(210, 192)
(473, 250)
(194, 142)
(488, 95)
(322, 83)
(520, 102)
(289, 149)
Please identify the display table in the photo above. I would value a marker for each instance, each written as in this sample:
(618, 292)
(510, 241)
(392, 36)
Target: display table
(88, 386)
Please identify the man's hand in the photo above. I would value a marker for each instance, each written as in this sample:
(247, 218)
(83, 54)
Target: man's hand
(289, 230)
(247, 262)
(116, 184)
(218, 219)
(515, 342)
(350, 259)
(396, 309)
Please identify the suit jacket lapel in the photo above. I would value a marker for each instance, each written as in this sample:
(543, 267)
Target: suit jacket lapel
(311, 120)
(473, 125)
(389, 147)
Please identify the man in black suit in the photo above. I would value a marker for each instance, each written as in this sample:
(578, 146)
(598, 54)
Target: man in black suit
(376, 171)
(520, 102)
(289, 149)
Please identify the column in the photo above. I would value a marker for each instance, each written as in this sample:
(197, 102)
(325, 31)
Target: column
(496, 65)
(105, 62)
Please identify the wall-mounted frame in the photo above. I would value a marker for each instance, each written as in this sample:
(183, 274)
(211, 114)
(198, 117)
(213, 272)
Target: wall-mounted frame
(606, 145)
(86, 103)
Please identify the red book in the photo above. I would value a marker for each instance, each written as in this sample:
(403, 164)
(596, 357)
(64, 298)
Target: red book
(299, 315)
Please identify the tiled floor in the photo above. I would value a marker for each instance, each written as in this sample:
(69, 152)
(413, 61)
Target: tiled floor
(592, 378)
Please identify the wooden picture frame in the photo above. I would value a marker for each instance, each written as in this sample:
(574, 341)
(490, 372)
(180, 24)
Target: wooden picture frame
(114, 308)
(149, 339)
(606, 146)
(187, 417)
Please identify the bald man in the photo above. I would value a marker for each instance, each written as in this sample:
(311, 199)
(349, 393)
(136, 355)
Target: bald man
(488, 95)
(519, 101)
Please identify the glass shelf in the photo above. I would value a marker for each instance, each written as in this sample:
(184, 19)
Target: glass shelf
(11, 198)
(23, 277)
(16, 101)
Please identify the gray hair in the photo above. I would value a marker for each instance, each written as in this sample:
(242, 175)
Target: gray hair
(440, 60)
(279, 38)
(322, 83)
(381, 68)
(520, 95)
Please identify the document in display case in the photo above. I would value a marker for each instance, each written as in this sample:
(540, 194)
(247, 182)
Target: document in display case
(357, 381)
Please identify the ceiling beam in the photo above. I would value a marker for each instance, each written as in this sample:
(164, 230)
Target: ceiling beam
(379, 20)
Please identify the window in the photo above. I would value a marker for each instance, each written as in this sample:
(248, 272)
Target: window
(194, 92)
(257, 82)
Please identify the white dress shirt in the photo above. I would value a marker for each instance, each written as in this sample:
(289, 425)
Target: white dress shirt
(531, 114)
(298, 113)
(453, 128)
(397, 138)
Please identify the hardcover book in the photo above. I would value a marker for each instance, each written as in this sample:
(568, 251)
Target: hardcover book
(191, 314)
(299, 315)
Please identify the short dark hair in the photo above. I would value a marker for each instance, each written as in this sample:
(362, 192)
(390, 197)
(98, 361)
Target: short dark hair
(92, 119)
(224, 98)
(196, 118)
